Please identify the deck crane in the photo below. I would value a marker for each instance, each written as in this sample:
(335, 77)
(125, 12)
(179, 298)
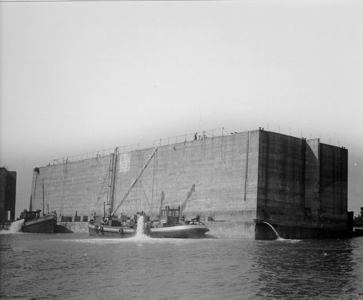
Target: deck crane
(183, 206)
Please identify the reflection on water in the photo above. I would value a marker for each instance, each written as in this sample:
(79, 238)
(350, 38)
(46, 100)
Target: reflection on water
(309, 268)
(74, 266)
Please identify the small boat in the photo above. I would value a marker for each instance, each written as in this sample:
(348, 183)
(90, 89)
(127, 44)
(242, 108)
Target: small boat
(168, 227)
(35, 223)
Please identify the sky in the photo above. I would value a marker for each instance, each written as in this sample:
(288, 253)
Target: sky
(82, 76)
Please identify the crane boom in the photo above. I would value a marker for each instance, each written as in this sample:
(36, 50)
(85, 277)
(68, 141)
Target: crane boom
(187, 199)
(134, 182)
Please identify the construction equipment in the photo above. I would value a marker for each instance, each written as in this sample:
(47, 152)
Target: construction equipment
(134, 182)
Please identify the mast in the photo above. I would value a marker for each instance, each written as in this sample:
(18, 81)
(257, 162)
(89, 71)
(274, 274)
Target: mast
(43, 195)
(36, 170)
(113, 178)
(134, 182)
(31, 203)
(161, 204)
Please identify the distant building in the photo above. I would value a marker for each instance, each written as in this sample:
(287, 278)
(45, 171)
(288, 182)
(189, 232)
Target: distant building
(7, 194)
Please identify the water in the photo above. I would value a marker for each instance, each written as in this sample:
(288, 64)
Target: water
(75, 266)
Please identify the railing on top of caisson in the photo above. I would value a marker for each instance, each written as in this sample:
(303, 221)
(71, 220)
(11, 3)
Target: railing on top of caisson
(94, 154)
(160, 142)
(189, 137)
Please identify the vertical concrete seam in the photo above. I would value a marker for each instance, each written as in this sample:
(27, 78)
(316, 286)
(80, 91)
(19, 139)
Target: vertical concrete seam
(246, 171)
(267, 158)
(222, 150)
(335, 186)
(258, 172)
(303, 176)
(319, 182)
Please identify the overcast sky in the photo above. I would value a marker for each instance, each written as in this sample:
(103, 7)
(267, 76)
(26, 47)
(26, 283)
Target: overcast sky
(78, 77)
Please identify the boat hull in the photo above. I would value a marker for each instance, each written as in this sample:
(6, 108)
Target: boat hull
(111, 231)
(46, 224)
(179, 231)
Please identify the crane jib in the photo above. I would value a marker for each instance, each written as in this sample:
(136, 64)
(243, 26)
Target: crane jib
(134, 182)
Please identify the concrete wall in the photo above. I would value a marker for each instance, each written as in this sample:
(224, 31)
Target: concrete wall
(333, 185)
(312, 181)
(71, 187)
(326, 185)
(302, 183)
(216, 166)
(281, 184)
(223, 170)
(7, 194)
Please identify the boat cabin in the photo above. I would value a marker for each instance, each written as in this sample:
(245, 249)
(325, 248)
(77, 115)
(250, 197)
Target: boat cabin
(30, 215)
(99, 220)
(170, 216)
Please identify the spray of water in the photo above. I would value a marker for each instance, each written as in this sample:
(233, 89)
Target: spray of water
(140, 229)
(274, 230)
(15, 227)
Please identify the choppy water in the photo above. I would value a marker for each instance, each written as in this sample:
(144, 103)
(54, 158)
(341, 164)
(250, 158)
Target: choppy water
(75, 266)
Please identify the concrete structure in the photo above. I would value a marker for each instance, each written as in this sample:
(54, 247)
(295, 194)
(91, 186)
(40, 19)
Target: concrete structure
(240, 181)
(7, 195)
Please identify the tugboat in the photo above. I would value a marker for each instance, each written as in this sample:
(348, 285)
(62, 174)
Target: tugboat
(35, 223)
(169, 226)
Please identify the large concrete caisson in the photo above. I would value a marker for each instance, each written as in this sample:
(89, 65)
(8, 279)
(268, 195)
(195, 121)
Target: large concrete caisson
(236, 184)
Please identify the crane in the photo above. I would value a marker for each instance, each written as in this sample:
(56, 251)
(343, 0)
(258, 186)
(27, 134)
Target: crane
(134, 182)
